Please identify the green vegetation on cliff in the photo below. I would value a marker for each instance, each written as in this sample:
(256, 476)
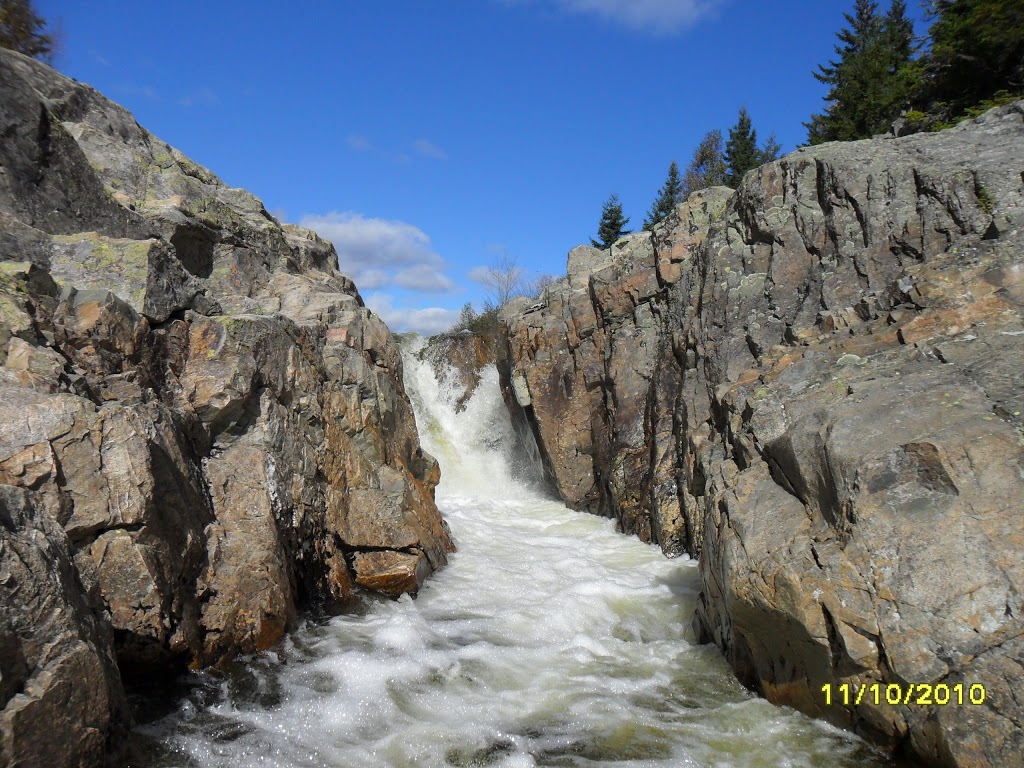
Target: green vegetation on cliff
(612, 225)
(741, 151)
(708, 167)
(872, 78)
(972, 60)
(22, 29)
(669, 196)
(977, 53)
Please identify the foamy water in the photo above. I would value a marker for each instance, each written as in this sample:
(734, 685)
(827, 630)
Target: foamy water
(550, 640)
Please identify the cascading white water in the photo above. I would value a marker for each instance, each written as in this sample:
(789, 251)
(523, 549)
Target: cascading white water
(473, 446)
(550, 640)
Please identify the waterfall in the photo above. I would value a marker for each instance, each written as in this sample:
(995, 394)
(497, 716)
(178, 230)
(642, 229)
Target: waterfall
(550, 640)
(477, 447)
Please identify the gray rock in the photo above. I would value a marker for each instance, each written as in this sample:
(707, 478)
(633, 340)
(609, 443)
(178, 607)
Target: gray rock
(61, 696)
(214, 422)
(815, 385)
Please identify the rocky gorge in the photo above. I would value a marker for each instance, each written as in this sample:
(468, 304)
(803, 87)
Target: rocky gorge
(815, 385)
(202, 427)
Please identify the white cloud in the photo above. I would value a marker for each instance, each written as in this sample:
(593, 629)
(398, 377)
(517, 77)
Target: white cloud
(358, 142)
(378, 253)
(145, 91)
(365, 243)
(371, 279)
(202, 97)
(421, 148)
(428, 149)
(479, 274)
(424, 278)
(427, 321)
(656, 16)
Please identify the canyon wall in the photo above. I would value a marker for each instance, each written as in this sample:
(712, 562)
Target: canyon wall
(815, 384)
(202, 427)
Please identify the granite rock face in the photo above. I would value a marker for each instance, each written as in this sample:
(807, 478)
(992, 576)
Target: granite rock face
(210, 426)
(579, 366)
(816, 385)
(59, 686)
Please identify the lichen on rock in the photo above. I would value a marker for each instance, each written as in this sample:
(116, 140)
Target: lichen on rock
(203, 411)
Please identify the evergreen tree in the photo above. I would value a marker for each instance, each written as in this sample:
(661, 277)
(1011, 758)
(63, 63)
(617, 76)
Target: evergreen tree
(707, 168)
(870, 82)
(612, 224)
(669, 196)
(21, 29)
(903, 71)
(741, 152)
(900, 31)
(771, 149)
(977, 50)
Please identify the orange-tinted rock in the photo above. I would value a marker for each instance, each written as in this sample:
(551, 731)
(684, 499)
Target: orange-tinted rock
(393, 573)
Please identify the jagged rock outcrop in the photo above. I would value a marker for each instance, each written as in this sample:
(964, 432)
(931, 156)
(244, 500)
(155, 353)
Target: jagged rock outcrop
(60, 690)
(816, 384)
(201, 425)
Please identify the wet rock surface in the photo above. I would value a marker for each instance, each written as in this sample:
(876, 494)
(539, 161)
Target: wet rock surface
(458, 360)
(202, 428)
(815, 384)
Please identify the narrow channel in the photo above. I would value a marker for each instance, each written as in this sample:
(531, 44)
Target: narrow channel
(550, 640)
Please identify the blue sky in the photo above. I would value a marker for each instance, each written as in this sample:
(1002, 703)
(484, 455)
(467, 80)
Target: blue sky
(427, 138)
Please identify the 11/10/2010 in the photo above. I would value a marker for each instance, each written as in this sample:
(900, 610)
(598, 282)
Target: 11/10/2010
(921, 694)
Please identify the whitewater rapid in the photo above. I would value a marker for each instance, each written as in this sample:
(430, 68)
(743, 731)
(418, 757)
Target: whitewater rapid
(550, 640)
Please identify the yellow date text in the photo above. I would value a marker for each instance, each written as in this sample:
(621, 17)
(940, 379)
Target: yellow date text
(893, 694)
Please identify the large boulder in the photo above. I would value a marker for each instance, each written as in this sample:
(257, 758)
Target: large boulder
(198, 401)
(815, 385)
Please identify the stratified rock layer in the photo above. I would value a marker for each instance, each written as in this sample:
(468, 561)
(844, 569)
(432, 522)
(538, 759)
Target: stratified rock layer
(210, 426)
(816, 385)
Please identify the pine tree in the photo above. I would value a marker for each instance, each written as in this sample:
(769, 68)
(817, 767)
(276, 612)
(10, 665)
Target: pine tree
(903, 71)
(741, 152)
(612, 224)
(900, 30)
(771, 149)
(870, 82)
(977, 50)
(669, 196)
(21, 29)
(707, 168)
(846, 77)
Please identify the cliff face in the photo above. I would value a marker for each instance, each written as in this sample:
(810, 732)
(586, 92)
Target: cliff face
(815, 384)
(201, 425)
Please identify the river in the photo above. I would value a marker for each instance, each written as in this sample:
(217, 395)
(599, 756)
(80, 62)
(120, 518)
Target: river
(550, 640)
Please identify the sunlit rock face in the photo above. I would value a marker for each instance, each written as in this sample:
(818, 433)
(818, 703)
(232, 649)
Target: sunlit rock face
(194, 397)
(816, 385)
